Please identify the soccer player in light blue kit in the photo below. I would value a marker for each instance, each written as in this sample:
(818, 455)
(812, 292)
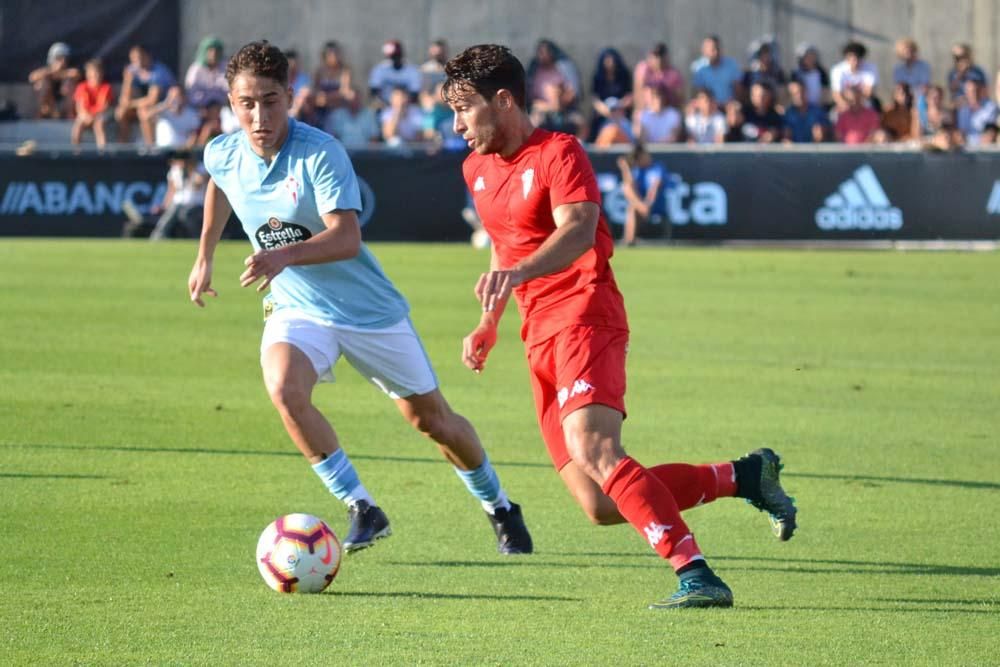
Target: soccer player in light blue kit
(295, 191)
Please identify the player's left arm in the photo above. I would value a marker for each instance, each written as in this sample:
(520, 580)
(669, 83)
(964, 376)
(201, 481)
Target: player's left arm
(576, 213)
(576, 228)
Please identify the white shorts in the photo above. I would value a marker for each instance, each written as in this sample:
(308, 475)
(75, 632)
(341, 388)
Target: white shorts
(393, 359)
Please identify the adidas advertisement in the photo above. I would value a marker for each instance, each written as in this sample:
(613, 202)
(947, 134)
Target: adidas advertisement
(711, 195)
(859, 203)
(993, 203)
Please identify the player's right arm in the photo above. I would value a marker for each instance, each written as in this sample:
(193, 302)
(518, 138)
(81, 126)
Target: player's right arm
(477, 345)
(217, 212)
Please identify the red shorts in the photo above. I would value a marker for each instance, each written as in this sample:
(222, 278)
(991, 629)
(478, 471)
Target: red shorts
(581, 365)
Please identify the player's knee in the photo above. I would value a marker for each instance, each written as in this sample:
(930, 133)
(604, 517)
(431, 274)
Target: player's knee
(431, 423)
(600, 515)
(290, 399)
(582, 452)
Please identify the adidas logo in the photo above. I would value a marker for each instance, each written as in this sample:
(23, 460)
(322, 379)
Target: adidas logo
(859, 203)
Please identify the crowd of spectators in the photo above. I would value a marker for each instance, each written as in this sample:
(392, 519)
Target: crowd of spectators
(718, 100)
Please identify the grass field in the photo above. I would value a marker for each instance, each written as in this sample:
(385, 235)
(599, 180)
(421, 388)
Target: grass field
(140, 458)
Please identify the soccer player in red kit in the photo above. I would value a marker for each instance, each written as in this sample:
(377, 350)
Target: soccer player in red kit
(538, 199)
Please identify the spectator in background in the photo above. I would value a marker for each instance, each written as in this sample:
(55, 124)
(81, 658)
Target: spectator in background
(764, 69)
(897, 119)
(657, 123)
(205, 82)
(946, 139)
(439, 124)
(655, 70)
(333, 86)
(762, 122)
(145, 83)
(612, 82)
(643, 182)
(93, 99)
(617, 128)
(963, 70)
(704, 123)
(734, 123)
(184, 201)
(177, 123)
(720, 74)
(302, 98)
(402, 121)
(988, 136)
(554, 112)
(910, 70)
(547, 74)
(55, 83)
(432, 70)
(856, 123)
(930, 113)
(856, 73)
(976, 112)
(354, 124)
(549, 50)
(391, 74)
(812, 75)
(804, 122)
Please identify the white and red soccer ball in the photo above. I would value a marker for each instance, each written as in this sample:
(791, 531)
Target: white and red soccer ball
(298, 553)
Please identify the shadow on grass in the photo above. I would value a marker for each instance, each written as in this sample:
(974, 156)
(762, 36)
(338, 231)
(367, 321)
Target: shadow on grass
(878, 610)
(654, 563)
(41, 475)
(845, 566)
(986, 602)
(957, 483)
(246, 452)
(454, 596)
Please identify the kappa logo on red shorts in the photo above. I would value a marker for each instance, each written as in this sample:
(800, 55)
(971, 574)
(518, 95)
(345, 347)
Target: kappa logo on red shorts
(579, 387)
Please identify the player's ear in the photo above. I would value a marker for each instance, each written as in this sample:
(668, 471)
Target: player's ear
(505, 101)
(291, 95)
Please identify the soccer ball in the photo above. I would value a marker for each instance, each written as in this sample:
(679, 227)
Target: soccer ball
(298, 553)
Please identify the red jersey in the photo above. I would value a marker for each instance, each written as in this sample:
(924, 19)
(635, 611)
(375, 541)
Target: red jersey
(514, 197)
(94, 100)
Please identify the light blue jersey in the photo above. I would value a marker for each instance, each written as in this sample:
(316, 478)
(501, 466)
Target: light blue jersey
(281, 203)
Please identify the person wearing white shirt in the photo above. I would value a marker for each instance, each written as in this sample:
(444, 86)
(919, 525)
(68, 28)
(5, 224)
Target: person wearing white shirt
(177, 123)
(657, 123)
(853, 72)
(705, 124)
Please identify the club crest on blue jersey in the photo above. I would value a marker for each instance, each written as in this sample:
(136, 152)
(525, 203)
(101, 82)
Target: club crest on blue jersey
(277, 233)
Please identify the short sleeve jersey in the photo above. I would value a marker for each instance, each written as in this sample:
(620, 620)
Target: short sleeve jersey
(515, 197)
(281, 203)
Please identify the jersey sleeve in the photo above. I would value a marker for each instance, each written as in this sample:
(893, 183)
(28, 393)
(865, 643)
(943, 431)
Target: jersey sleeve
(571, 176)
(210, 157)
(335, 185)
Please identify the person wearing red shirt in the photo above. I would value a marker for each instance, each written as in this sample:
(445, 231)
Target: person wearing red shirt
(92, 97)
(538, 199)
(856, 124)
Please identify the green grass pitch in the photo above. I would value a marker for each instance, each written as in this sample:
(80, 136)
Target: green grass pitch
(140, 458)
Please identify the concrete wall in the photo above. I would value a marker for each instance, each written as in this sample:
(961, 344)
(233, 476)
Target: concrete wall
(582, 27)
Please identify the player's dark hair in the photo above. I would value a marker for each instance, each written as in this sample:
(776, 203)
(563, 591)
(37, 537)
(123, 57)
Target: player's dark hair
(486, 69)
(260, 59)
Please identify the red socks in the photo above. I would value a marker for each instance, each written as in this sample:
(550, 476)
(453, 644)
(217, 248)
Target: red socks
(646, 503)
(693, 485)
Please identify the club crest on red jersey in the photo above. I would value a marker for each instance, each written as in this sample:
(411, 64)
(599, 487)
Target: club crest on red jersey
(527, 179)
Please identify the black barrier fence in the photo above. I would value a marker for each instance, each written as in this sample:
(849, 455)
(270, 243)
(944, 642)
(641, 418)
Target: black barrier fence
(712, 196)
